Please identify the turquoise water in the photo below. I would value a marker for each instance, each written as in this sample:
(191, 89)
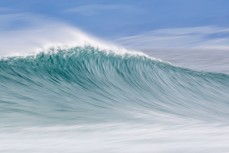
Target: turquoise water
(87, 100)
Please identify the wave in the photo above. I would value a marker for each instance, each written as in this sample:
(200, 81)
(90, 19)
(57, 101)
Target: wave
(87, 84)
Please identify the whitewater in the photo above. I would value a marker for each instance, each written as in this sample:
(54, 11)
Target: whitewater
(99, 98)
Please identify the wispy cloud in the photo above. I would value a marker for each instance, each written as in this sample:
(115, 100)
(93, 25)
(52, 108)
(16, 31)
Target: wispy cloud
(95, 9)
(205, 37)
(6, 10)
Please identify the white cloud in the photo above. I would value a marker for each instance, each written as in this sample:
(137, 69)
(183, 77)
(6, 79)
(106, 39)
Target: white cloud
(4, 10)
(179, 38)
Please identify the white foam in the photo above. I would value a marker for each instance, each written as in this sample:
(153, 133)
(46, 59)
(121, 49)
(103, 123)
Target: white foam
(120, 137)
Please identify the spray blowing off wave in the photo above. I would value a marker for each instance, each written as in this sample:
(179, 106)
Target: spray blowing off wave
(49, 35)
(85, 84)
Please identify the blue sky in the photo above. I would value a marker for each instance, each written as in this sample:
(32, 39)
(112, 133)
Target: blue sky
(112, 18)
(120, 20)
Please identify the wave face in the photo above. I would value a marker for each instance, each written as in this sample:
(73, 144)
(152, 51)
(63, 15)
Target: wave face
(114, 98)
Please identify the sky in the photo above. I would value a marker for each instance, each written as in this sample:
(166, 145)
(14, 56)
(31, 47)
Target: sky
(132, 23)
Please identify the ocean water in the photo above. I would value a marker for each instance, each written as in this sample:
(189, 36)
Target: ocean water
(85, 99)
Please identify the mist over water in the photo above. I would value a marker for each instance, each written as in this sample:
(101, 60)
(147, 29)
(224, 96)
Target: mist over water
(87, 99)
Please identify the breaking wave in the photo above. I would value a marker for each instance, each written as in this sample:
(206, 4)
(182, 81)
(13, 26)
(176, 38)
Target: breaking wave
(88, 85)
